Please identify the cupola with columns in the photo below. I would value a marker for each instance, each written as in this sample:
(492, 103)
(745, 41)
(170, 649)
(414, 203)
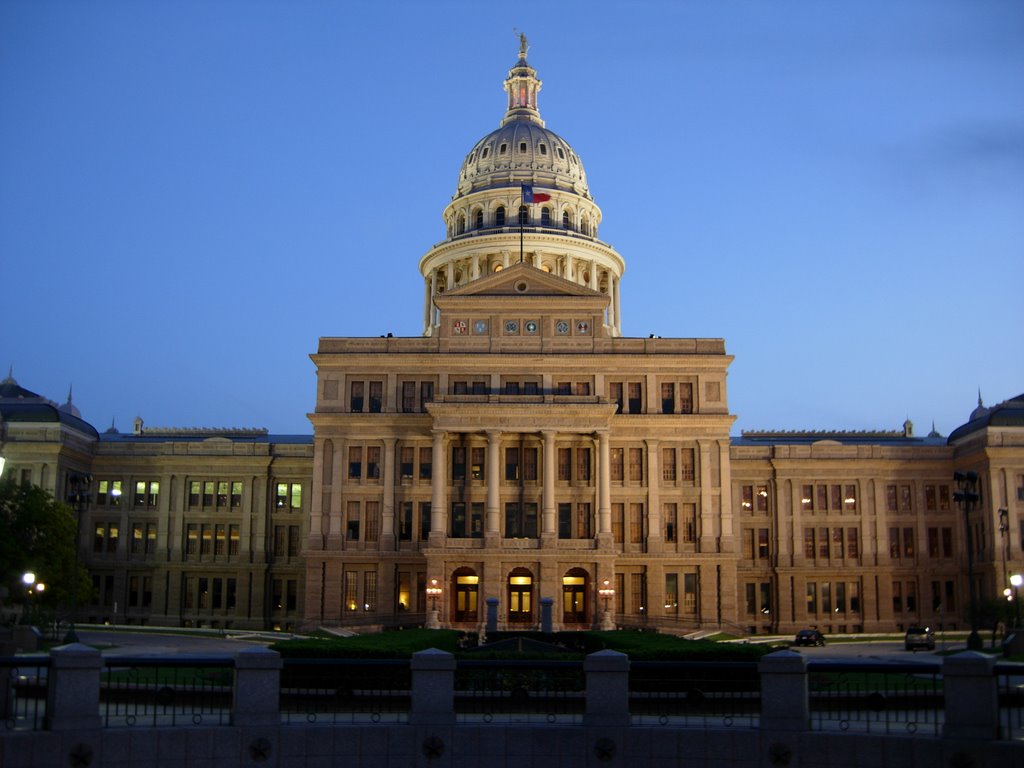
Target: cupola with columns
(488, 225)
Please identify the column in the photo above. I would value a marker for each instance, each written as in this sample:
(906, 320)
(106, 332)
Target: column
(450, 276)
(618, 313)
(387, 521)
(438, 486)
(604, 489)
(428, 300)
(538, 258)
(570, 267)
(707, 519)
(337, 489)
(654, 534)
(316, 510)
(728, 537)
(492, 510)
(506, 256)
(549, 528)
(612, 318)
(474, 270)
(593, 276)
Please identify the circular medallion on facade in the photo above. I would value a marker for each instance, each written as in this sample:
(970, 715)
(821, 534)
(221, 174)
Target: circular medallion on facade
(561, 327)
(531, 326)
(459, 327)
(480, 326)
(582, 327)
(511, 326)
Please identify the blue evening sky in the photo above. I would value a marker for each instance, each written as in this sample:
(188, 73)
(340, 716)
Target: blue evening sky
(191, 193)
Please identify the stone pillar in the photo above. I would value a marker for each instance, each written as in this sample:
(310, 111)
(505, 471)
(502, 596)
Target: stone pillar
(387, 522)
(545, 614)
(785, 703)
(654, 533)
(492, 614)
(474, 270)
(257, 693)
(492, 509)
(607, 689)
(708, 541)
(428, 301)
(618, 315)
(433, 688)
(339, 474)
(970, 691)
(604, 488)
(73, 689)
(549, 518)
(438, 485)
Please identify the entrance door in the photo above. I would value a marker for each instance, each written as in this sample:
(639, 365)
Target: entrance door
(467, 585)
(574, 597)
(520, 596)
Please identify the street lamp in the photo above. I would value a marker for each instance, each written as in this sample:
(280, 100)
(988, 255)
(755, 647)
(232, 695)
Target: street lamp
(32, 586)
(967, 497)
(433, 592)
(606, 592)
(79, 497)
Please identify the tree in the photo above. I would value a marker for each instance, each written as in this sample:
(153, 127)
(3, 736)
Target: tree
(38, 534)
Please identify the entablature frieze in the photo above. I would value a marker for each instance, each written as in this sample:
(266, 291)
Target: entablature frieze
(504, 417)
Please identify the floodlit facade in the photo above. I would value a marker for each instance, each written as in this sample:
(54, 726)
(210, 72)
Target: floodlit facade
(522, 456)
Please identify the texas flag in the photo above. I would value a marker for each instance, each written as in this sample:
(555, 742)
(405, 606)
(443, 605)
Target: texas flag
(529, 196)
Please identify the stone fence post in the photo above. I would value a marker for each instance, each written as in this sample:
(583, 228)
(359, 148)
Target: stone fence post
(785, 702)
(971, 696)
(73, 688)
(256, 698)
(607, 688)
(433, 688)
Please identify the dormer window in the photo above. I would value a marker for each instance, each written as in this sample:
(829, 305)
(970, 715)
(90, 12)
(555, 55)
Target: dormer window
(561, 154)
(502, 148)
(543, 149)
(522, 146)
(471, 156)
(483, 155)
(565, 219)
(499, 216)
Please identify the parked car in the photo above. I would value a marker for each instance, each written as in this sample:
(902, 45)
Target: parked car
(809, 637)
(919, 637)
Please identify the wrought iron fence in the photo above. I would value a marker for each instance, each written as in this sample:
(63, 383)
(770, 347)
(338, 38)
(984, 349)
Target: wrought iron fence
(166, 691)
(876, 698)
(535, 691)
(697, 694)
(23, 692)
(345, 690)
(1010, 687)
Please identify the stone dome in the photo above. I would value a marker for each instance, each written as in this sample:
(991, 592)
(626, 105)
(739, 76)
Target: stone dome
(522, 149)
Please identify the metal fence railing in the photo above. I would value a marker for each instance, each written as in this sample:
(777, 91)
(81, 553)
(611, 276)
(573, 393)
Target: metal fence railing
(345, 690)
(23, 692)
(695, 694)
(162, 691)
(535, 691)
(876, 697)
(1010, 693)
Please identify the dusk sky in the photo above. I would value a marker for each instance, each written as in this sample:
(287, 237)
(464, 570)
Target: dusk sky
(191, 193)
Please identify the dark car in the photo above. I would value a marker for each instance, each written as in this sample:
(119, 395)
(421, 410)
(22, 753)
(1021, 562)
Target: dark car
(809, 637)
(919, 637)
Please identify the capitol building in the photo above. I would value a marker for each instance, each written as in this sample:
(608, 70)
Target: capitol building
(521, 456)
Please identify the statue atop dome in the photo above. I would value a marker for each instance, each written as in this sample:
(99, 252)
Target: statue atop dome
(523, 45)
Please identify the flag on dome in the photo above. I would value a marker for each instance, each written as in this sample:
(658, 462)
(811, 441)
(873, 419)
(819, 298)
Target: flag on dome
(529, 196)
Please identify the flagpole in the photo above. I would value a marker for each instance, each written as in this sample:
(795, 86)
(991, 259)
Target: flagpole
(521, 236)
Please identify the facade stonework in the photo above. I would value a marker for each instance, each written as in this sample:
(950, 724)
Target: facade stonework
(523, 451)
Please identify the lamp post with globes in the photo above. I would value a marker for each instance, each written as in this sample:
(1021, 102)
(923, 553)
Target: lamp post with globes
(967, 497)
(79, 496)
(1016, 580)
(434, 591)
(606, 592)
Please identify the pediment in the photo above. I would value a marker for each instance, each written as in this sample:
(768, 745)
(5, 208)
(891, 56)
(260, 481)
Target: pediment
(521, 280)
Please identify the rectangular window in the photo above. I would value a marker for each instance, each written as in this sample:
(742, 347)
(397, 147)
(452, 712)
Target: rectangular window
(565, 464)
(854, 593)
(933, 539)
(747, 498)
(426, 394)
(943, 498)
(636, 523)
(192, 539)
(807, 498)
(99, 535)
(837, 543)
(373, 462)
(530, 464)
(138, 540)
(616, 462)
(636, 465)
(908, 542)
(220, 540)
(583, 520)
(356, 398)
(826, 598)
(836, 502)
(426, 463)
(615, 395)
(668, 465)
(668, 517)
(236, 495)
(618, 523)
(231, 594)
(751, 590)
(931, 499)
(812, 598)
(222, 494)
(294, 541)
(671, 594)
(689, 523)
(583, 465)
(280, 541)
(686, 397)
(355, 462)
(852, 543)
(234, 539)
(511, 464)
(638, 592)
(370, 591)
(406, 461)
(897, 597)
(690, 593)
(565, 521)
(634, 397)
(520, 520)
(894, 543)
(822, 504)
(668, 398)
(476, 463)
(208, 493)
(352, 521)
(459, 527)
(686, 464)
(890, 498)
(947, 542)
(582, 389)
(911, 596)
(424, 520)
(194, 491)
(762, 543)
(408, 396)
(761, 498)
(809, 548)
(351, 590)
(905, 498)
(850, 498)
(376, 396)
(405, 521)
(823, 543)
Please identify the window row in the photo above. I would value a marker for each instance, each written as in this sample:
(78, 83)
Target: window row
(831, 543)
(218, 540)
(754, 498)
(209, 593)
(830, 598)
(524, 216)
(828, 498)
(900, 498)
(110, 492)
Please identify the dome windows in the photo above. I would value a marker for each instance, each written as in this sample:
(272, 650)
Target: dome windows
(522, 146)
(561, 154)
(543, 149)
(502, 148)
(545, 217)
(565, 218)
(483, 155)
(460, 227)
(499, 216)
(524, 215)
(479, 219)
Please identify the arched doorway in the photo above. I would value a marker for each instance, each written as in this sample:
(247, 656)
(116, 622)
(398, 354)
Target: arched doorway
(466, 589)
(574, 596)
(520, 596)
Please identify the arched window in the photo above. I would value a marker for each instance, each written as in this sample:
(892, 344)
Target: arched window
(524, 214)
(466, 585)
(461, 228)
(574, 597)
(565, 219)
(479, 223)
(585, 225)
(499, 216)
(520, 596)
(522, 146)
(545, 217)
